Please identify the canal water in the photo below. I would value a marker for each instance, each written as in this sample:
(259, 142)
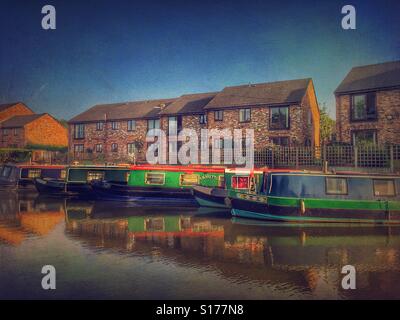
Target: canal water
(111, 250)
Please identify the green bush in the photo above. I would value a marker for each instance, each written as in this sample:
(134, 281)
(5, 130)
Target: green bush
(46, 147)
(14, 155)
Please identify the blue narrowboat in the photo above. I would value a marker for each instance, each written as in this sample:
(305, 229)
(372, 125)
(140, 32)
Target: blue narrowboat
(321, 197)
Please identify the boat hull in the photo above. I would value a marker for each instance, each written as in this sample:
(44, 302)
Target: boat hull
(59, 188)
(317, 211)
(211, 197)
(149, 196)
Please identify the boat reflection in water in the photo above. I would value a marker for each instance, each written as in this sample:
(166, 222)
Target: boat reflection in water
(119, 250)
(293, 261)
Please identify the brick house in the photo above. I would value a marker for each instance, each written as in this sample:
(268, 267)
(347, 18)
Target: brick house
(34, 129)
(114, 132)
(284, 113)
(281, 113)
(368, 105)
(9, 110)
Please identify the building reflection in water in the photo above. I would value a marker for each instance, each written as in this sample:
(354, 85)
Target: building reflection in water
(307, 258)
(301, 260)
(23, 216)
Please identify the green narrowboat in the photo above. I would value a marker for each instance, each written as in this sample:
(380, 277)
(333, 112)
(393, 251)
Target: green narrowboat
(217, 196)
(160, 185)
(78, 180)
(321, 197)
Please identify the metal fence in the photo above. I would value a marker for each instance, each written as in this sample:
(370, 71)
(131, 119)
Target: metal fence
(369, 158)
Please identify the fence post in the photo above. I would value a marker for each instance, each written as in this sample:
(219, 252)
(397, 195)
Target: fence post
(391, 159)
(355, 156)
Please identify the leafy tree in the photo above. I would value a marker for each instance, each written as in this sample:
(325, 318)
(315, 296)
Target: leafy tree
(327, 125)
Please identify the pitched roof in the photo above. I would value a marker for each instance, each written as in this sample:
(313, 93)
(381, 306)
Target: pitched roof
(5, 106)
(20, 121)
(125, 110)
(271, 93)
(374, 76)
(189, 104)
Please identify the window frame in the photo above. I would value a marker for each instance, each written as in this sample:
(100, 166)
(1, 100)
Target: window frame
(134, 147)
(99, 126)
(219, 113)
(244, 111)
(280, 138)
(114, 125)
(202, 119)
(96, 173)
(336, 193)
(374, 131)
(131, 125)
(188, 174)
(367, 97)
(287, 127)
(112, 147)
(385, 195)
(79, 131)
(97, 149)
(79, 145)
(154, 184)
(248, 182)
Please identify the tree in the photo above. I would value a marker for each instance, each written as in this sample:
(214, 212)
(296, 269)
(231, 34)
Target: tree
(327, 125)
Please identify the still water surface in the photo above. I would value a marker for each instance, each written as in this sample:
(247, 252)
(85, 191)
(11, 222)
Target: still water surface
(116, 251)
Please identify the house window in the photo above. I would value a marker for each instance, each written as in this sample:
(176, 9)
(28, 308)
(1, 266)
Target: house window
(189, 179)
(114, 125)
(219, 115)
(384, 187)
(153, 124)
(203, 119)
(280, 141)
(131, 125)
(240, 182)
(94, 175)
(114, 147)
(79, 131)
(99, 126)
(34, 173)
(279, 118)
(5, 132)
(99, 148)
(132, 148)
(154, 178)
(364, 137)
(363, 107)
(78, 148)
(336, 186)
(244, 115)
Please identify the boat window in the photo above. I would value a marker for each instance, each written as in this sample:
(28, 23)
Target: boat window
(240, 182)
(34, 173)
(6, 172)
(189, 179)
(94, 175)
(155, 178)
(154, 224)
(336, 185)
(63, 174)
(384, 187)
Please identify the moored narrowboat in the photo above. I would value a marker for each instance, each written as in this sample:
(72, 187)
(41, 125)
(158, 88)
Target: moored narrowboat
(319, 197)
(217, 196)
(234, 179)
(78, 180)
(160, 185)
(23, 175)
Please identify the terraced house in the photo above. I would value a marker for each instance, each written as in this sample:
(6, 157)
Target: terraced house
(284, 113)
(368, 105)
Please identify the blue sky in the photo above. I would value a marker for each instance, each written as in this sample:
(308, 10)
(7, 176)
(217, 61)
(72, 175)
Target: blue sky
(113, 51)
